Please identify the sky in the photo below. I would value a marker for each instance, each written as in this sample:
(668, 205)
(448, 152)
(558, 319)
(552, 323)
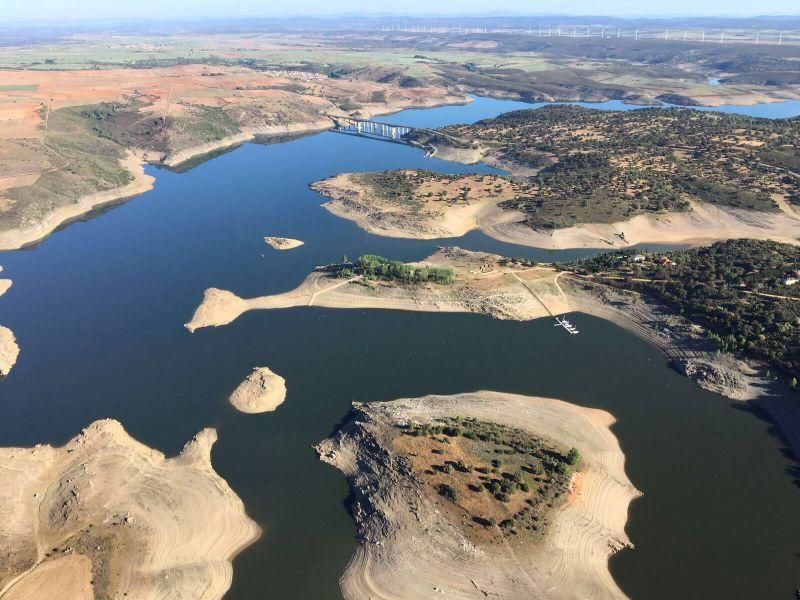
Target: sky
(23, 10)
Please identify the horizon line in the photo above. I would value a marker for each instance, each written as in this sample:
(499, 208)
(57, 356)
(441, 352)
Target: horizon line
(379, 15)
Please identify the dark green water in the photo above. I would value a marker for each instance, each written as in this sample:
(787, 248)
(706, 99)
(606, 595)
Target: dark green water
(98, 311)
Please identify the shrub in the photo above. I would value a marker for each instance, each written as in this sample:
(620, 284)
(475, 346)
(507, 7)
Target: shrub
(448, 492)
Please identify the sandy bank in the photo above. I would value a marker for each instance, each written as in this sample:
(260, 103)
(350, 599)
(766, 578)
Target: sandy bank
(5, 285)
(248, 135)
(426, 217)
(403, 531)
(105, 516)
(429, 218)
(282, 243)
(703, 224)
(262, 391)
(692, 353)
(482, 285)
(141, 182)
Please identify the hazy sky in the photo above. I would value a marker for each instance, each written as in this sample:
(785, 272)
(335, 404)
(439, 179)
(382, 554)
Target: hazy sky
(20, 10)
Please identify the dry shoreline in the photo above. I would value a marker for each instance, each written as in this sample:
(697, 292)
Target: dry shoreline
(107, 516)
(703, 224)
(431, 219)
(319, 125)
(402, 531)
(15, 239)
(484, 285)
(135, 160)
(179, 158)
(692, 354)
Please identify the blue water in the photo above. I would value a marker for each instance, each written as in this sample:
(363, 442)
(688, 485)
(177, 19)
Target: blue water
(487, 108)
(98, 311)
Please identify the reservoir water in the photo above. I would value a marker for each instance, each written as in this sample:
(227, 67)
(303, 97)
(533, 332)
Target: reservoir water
(98, 310)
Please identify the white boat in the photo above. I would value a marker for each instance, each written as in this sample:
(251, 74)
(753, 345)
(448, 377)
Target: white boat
(562, 322)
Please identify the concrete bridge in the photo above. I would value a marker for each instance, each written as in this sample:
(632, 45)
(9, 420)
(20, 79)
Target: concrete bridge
(387, 132)
(373, 129)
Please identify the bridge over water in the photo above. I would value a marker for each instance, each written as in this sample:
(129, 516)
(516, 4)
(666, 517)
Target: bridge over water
(388, 132)
(365, 127)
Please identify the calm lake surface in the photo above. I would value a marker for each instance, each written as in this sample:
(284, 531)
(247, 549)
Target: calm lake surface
(98, 310)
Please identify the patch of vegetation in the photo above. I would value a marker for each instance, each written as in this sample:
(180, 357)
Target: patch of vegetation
(472, 460)
(371, 266)
(605, 166)
(83, 162)
(19, 88)
(740, 290)
(448, 492)
(393, 186)
(123, 124)
(199, 125)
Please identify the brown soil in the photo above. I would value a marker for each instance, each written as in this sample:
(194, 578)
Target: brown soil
(403, 527)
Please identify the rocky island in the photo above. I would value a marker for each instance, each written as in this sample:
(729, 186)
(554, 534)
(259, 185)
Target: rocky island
(262, 391)
(482, 494)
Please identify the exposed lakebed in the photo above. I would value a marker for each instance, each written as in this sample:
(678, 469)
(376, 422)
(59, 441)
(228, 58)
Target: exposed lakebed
(98, 311)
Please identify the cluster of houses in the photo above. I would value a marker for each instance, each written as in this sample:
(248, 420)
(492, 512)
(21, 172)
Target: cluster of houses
(792, 278)
(664, 260)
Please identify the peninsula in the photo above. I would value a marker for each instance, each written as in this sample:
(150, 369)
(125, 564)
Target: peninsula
(107, 517)
(462, 281)
(583, 177)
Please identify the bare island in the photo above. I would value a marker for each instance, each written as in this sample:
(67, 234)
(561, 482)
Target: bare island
(282, 243)
(262, 391)
(482, 494)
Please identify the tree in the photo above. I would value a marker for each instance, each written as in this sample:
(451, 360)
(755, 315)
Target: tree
(573, 456)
